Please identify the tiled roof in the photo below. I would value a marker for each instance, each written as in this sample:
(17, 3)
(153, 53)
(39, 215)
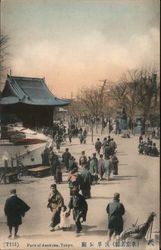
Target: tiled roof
(29, 90)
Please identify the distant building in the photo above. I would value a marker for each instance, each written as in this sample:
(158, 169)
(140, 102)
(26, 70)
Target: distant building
(28, 100)
(61, 114)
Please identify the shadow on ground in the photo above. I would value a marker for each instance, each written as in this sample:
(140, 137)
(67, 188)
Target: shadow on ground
(113, 180)
(101, 197)
(86, 229)
(123, 177)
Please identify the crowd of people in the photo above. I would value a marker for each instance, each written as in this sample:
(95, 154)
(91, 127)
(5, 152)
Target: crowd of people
(88, 171)
(147, 147)
(15, 208)
(93, 169)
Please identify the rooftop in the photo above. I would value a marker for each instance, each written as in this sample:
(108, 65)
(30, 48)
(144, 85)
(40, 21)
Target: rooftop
(29, 90)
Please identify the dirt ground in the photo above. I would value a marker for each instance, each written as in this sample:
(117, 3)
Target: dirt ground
(138, 183)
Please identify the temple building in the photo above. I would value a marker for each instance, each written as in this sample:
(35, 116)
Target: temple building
(28, 100)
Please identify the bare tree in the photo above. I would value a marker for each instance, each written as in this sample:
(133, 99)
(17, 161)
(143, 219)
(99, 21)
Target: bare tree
(149, 92)
(3, 55)
(137, 91)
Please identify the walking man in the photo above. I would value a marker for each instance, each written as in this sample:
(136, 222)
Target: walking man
(107, 152)
(93, 168)
(105, 143)
(86, 182)
(74, 180)
(70, 135)
(82, 159)
(115, 211)
(113, 146)
(65, 158)
(108, 168)
(81, 137)
(14, 209)
(55, 202)
(84, 136)
(58, 141)
(101, 167)
(98, 145)
(53, 163)
(80, 207)
(115, 162)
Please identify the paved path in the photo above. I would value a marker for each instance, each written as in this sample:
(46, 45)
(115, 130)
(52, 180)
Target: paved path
(137, 183)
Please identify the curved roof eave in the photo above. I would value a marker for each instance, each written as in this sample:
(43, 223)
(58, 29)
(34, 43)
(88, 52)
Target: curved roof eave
(9, 100)
(14, 100)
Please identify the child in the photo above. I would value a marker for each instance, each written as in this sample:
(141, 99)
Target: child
(64, 218)
(115, 162)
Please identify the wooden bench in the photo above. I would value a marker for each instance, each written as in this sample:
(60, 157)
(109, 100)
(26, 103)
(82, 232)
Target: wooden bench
(10, 177)
(40, 171)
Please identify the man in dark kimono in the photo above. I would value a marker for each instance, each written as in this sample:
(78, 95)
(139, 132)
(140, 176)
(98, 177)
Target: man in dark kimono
(14, 209)
(86, 181)
(98, 145)
(65, 158)
(93, 168)
(58, 172)
(115, 162)
(72, 164)
(105, 143)
(58, 140)
(55, 202)
(113, 146)
(80, 207)
(115, 212)
(82, 159)
(53, 163)
(154, 150)
(107, 152)
(45, 156)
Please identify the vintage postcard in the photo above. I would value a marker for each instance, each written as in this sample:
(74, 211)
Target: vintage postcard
(79, 124)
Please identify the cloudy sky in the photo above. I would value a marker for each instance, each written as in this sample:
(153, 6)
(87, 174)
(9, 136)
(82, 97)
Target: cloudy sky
(73, 43)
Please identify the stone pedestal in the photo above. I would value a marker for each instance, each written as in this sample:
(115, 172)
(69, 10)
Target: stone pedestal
(138, 130)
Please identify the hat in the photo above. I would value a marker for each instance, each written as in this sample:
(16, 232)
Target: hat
(13, 191)
(53, 186)
(74, 170)
(116, 196)
(75, 189)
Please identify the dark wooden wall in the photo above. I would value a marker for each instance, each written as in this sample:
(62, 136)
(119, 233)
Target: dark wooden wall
(30, 115)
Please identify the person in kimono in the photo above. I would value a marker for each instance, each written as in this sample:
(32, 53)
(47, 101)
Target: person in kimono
(115, 162)
(101, 167)
(55, 202)
(115, 211)
(65, 158)
(93, 168)
(86, 181)
(82, 159)
(64, 219)
(80, 207)
(14, 209)
(98, 145)
(108, 168)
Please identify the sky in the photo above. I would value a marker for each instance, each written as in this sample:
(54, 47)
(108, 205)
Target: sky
(76, 43)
